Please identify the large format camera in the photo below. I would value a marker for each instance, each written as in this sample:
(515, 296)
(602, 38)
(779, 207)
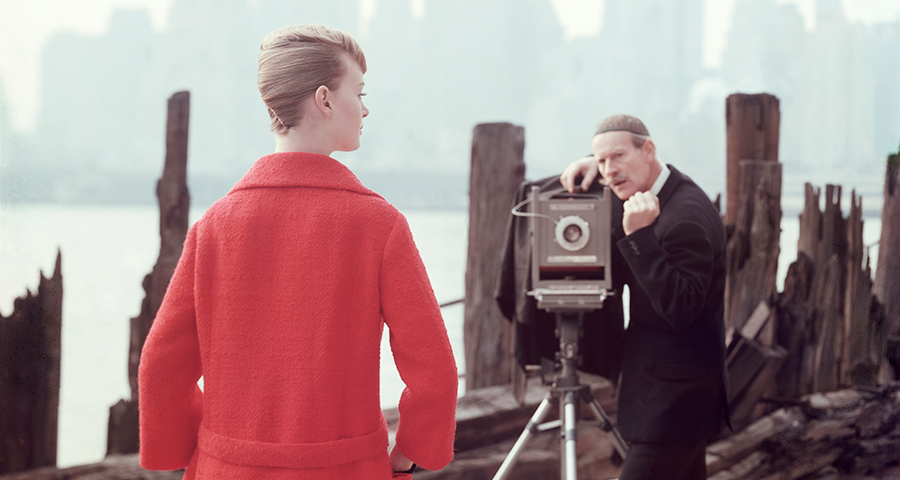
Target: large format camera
(570, 235)
(570, 276)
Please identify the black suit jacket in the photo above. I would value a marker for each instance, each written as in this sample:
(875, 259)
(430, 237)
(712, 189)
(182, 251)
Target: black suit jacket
(673, 372)
(601, 345)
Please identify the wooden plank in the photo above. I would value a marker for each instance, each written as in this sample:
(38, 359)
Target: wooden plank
(113, 467)
(804, 466)
(745, 362)
(757, 321)
(493, 414)
(732, 449)
(741, 469)
(744, 405)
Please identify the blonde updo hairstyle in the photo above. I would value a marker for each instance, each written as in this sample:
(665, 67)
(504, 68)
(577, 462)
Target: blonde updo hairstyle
(295, 61)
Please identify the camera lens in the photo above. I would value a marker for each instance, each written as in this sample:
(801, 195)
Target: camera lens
(572, 233)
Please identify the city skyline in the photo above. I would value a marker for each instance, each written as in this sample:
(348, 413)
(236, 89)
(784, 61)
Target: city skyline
(437, 72)
(26, 26)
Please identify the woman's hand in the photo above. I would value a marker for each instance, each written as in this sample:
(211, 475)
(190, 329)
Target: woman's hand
(399, 462)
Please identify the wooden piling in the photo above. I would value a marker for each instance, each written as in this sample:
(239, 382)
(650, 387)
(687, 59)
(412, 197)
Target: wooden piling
(753, 246)
(30, 351)
(752, 123)
(497, 169)
(887, 273)
(174, 204)
(825, 314)
(863, 335)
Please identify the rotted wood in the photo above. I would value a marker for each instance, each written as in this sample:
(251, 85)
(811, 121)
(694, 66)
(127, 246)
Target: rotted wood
(752, 368)
(887, 272)
(497, 169)
(174, 205)
(113, 467)
(841, 434)
(793, 329)
(812, 309)
(864, 333)
(30, 341)
(752, 123)
(753, 246)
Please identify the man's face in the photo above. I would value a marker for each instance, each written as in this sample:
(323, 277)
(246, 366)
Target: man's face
(625, 168)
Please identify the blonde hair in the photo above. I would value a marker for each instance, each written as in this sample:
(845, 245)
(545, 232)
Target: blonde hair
(295, 61)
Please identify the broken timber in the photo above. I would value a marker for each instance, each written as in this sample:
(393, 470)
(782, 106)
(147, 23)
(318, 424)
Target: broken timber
(30, 353)
(174, 203)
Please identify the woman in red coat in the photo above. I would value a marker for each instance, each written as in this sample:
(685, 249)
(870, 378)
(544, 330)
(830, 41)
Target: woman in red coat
(280, 299)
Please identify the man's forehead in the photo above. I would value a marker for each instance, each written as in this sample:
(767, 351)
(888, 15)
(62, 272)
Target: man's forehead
(611, 141)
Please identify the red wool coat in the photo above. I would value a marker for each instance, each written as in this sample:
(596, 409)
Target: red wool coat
(279, 302)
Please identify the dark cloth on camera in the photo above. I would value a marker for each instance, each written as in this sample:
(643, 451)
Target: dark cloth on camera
(601, 345)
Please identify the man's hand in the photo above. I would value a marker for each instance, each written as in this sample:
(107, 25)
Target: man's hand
(641, 211)
(399, 462)
(584, 168)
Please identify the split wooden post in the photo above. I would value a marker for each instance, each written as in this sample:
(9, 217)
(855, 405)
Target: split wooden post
(753, 246)
(826, 319)
(752, 123)
(887, 273)
(174, 204)
(497, 169)
(752, 203)
(30, 341)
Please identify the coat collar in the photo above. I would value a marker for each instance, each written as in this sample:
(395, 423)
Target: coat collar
(675, 178)
(300, 169)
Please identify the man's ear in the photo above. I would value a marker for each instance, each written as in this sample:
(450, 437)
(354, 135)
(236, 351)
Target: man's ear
(649, 148)
(323, 100)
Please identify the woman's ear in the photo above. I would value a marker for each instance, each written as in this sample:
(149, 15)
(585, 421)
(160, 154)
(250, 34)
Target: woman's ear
(323, 99)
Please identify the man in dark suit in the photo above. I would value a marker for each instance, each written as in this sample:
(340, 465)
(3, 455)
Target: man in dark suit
(672, 245)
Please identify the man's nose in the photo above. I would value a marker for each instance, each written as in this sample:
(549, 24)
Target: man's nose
(608, 169)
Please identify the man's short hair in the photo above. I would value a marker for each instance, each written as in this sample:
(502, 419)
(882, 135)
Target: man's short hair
(622, 122)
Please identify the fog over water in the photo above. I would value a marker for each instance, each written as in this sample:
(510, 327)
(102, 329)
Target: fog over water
(439, 68)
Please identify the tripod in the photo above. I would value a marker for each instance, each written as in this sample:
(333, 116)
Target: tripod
(567, 389)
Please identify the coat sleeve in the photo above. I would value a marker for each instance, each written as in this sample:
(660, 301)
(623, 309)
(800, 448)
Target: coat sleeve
(170, 402)
(422, 353)
(675, 271)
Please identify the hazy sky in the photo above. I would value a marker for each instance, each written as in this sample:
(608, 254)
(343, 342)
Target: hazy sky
(25, 26)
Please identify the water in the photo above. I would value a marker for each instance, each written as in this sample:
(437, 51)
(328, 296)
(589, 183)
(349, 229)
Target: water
(108, 250)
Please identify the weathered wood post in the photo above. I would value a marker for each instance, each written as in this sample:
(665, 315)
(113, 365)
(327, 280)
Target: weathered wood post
(887, 274)
(30, 340)
(753, 204)
(174, 204)
(497, 169)
(752, 128)
(863, 335)
(826, 317)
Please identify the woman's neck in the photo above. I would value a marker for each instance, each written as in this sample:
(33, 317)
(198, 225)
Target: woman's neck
(298, 139)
